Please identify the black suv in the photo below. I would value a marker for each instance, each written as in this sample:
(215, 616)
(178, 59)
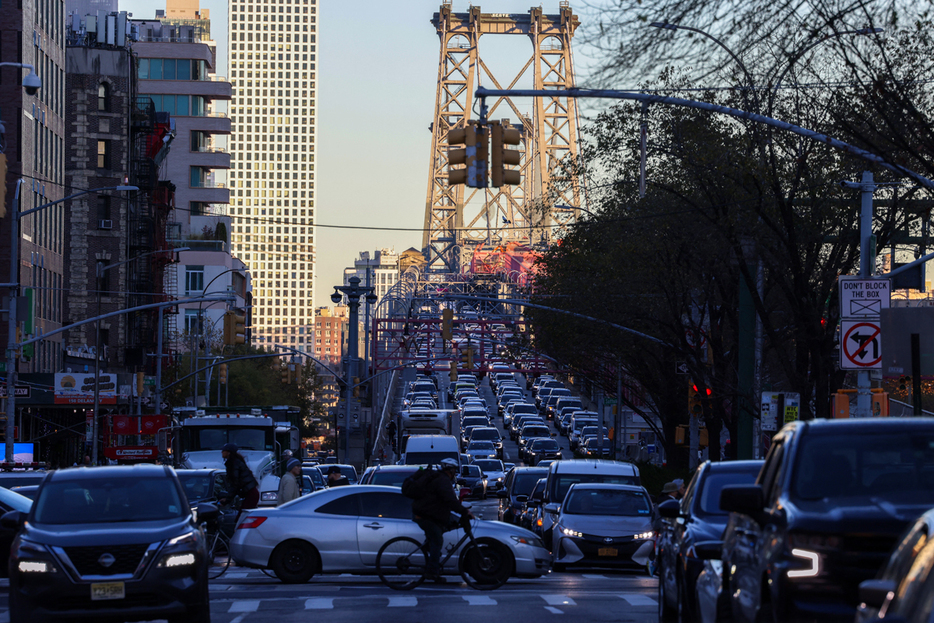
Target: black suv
(110, 543)
(515, 492)
(830, 503)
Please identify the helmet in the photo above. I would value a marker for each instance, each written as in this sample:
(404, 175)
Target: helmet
(449, 464)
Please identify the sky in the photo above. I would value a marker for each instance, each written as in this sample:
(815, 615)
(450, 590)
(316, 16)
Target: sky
(377, 77)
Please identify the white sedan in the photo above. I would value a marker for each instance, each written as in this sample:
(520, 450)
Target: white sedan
(340, 530)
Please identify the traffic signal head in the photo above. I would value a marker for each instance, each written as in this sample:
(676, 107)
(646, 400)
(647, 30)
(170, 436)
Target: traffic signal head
(286, 373)
(501, 137)
(453, 373)
(470, 357)
(447, 324)
(234, 328)
(904, 382)
(473, 155)
(222, 373)
(356, 387)
(695, 408)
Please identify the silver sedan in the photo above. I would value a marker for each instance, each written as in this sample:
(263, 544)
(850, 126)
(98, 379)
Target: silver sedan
(340, 530)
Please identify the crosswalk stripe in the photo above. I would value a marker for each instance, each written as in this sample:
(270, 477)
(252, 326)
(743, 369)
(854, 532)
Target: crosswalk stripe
(554, 610)
(403, 602)
(558, 600)
(244, 606)
(591, 576)
(479, 601)
(639, 600)
(319, 603)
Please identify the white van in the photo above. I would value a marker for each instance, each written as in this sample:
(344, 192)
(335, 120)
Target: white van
(563, 474)
(430, 449)
(580, 419)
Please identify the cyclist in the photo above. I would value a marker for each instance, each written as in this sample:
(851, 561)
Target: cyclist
(239, 478)
(433, 511)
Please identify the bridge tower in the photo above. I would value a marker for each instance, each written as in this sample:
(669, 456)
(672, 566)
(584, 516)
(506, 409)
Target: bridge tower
(460, 219)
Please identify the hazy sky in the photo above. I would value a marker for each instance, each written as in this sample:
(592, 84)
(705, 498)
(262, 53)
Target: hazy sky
(377, 75)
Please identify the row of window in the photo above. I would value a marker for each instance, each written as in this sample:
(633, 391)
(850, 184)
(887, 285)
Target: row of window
(172, 69)
(180, 105)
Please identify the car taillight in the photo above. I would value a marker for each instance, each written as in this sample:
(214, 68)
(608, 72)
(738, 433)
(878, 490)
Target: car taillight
(251, 522)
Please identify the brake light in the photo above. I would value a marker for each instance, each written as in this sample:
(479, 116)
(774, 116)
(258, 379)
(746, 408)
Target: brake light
(251, 522)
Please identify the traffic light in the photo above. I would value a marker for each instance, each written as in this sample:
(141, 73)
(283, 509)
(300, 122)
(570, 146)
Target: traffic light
(501, 137)
(234, 329)
(695, 408)
(286, 373)
(447, 324)
(453, 374)
(222, 374)
(473, 155)
(904, 382)
(470, 357)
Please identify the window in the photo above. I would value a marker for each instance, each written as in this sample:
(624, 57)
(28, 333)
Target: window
(103, 97)
(194, 279)
(103, 208)
(103, 154)
(192, 326)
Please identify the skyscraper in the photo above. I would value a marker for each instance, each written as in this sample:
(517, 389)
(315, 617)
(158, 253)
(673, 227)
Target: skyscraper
(271, 64)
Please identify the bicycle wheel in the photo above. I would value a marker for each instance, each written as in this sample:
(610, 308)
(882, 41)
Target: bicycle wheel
(485, 566)
(219, 556)
(401, 563)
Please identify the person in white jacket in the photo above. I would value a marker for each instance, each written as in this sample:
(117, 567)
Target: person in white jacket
(290, 483)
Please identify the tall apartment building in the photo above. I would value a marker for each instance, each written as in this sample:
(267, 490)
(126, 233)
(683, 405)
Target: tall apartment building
(330, 331)
(177, 61)
(380, 272)
(272, 178)
(34, 143)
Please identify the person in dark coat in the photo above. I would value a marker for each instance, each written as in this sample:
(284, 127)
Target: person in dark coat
(240, 478)
(336, 478)
(433, 511)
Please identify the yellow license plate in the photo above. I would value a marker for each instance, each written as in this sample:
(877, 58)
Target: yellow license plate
(107, 590)
(607, 551)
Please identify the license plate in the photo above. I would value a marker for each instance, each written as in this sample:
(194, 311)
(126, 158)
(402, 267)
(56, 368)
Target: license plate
(107, 590)
(607, 551)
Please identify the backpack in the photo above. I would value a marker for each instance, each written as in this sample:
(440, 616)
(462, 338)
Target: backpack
(415, 486)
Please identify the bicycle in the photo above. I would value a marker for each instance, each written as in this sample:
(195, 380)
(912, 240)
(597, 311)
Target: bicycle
(218, 551)
(402, 562)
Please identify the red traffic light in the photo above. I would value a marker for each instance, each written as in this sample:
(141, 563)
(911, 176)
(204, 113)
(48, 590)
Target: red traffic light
(694, 387)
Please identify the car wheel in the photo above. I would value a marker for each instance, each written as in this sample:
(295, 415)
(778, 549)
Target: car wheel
(294, 562)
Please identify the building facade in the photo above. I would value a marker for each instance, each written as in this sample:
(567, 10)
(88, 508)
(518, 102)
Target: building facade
(272, 52)
(330, 334)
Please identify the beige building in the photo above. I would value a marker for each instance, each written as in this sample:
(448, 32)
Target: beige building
(330, 330)
(271, 64)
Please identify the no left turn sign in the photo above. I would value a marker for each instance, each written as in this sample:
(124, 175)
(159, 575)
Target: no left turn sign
(860, 345)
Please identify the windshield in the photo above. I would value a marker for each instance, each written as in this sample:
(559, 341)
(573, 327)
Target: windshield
(524, 408)
(485, 433)
(429, 458)
(392, 478)
(563, 482)
(713, 485)
(214, 438)
(897, 467)
(525, 480)
(489, 465)
(544, 444)
(471, 471)
(536, 431)
(480, 445)
(109, 500)
(197, 487)
(607, 502)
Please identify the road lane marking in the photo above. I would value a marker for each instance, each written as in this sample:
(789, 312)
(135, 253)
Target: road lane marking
(244, 606)
(558, 600)
(639, 600)
(591, 576)
(403, 602)
(553, 610)
(319, 603)
(479, 601)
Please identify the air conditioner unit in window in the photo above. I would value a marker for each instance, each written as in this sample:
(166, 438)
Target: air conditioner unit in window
(105, 224)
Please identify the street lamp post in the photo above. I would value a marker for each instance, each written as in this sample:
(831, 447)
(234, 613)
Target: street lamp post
(13, 285)
(353, 292)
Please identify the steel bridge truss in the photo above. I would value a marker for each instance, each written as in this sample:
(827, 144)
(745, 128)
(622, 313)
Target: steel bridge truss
(458, 218)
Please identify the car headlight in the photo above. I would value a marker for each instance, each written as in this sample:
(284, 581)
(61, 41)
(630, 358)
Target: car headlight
(809, 564)
(270, 496)
(33, 558)
(177, 560)
(642, 536)
(189, 537)
(570, 532)
(532, 541)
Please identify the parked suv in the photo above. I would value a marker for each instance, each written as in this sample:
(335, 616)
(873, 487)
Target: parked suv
(108, 543)
(826, 510)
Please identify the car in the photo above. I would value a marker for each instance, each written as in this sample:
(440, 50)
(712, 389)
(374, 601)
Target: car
(110, 542)
(594, 448)
(530, 432)
(603, 525)
(904, 589)
(10, 501)
(315, 475)
(829, 505)
(388, 475)
(207, 486)
(473, 481)
(28, 491)
(530, 517)
(8, 480)
(517, 408)
(548, 406)
(310, 535)
(488, 433)
(481, 450)
(495, 473)
(541, 450)
(694, 519)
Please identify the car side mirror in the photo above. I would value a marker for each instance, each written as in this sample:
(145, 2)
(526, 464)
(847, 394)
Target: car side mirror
(669, 509)
(502, 493)
(522, 499)
(743, 499)
(13, 520)
(874, 593)
(205, 512)
(708, 550)
(552, 508)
